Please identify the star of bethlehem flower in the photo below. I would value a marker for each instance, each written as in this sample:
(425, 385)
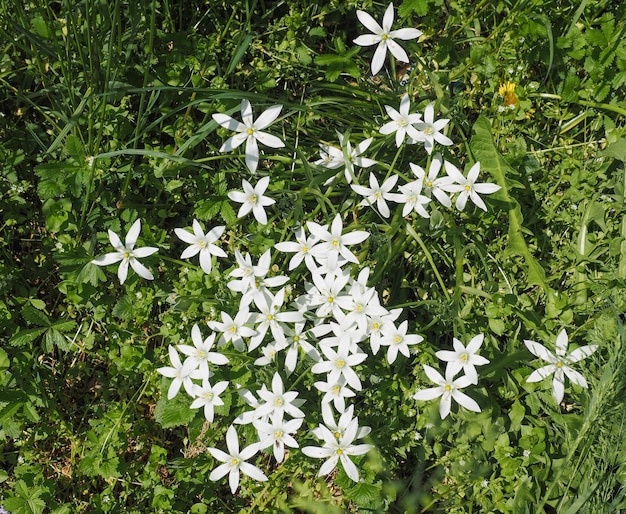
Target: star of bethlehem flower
(467, 187)
(402, 122)
(277, 433)
(464, 358)
(559, 364)
(431, 183)
(127, 253)
(250, 131)
(430, 130)
(201, 243)
(340, 363)
(200, 353)
(397, 340)
(253, 279)
(233, 329)
(336, 391)
(208, 397)
(182, 373)
(333, 158)
(332, 244)
(338, 428)
(448, 389)
(271, 317)
(234, 462)
(336, 450)
(252, 199)
(384, 37)
(278, 402)
(411, 197)
(376, 195)
(301, 249)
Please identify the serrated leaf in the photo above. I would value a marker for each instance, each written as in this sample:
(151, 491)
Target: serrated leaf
(26, 336)
(173, 413)
(228, 214)
(74, 147)
(124, 308)
(364, 494)
(54, 338)
(35, 316)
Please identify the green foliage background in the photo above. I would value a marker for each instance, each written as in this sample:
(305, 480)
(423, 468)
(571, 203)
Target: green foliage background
(106, 117)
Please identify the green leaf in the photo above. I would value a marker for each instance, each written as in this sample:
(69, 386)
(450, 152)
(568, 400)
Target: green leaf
(74, 147)
(484, 150)
(124, 308)
(516, 414)
(35, 316)
(174, 412)
(26, 336)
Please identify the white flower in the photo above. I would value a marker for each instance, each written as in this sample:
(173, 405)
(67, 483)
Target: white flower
(559, 364)
(207, 396)
(181, 373)
(301, 249)
(252, 199)
(331, 244)
(430, 130)
(448, 389)
(464, 358)
(339, 428)
(233, 329)
(402, 122)
(467, 187)
(201, 243)
(335, 450)
(250, 132)
(431, 184)
(376, 194)
(127, 253)
(397, 340)
(384, 37)
(200, 353)
(234, 462)
(411, 196)
(336, 392)
(277, 434)
(340, 363)
(345, 156)
(270, 316)
(296, 338)
(277, 401)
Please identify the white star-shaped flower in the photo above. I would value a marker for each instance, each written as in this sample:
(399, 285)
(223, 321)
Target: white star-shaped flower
(432, 185)
(127, 253)
(464, 358)
(384, 37)
(252, 199)
(234, 462)
(402, 122)
(250, 132)
(333, 158)
(467, 187)
(448, 388)
(559, 364)
(430, 130)
(201, 243)
(377, 194)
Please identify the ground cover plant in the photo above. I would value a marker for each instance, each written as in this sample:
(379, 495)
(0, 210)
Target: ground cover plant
(342, 257)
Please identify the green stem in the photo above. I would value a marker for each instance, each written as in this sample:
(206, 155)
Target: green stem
(429, 257)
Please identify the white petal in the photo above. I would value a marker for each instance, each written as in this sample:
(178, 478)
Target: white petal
(227, 122)
(141, 270)
(368, 22)
(133, 234)
(267, 117)
(379, 57)
(561, 343)
(540, 351)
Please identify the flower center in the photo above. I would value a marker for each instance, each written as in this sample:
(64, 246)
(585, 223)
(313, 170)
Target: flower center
(252, 199)
(338, 435)
(234, 461)
(336, 389)
(448, 387)
(278, 402)
(397, 339)
(296, 339)
(429, 131)
(468, 187)
(339, 451)
(384, 37)
(126, 255)
(463, 357)
(340, 363)
(305, 249)
(270, 317)
(233, 329)
(279, 434)
(429, 184)
(208, 396)
(559, 364)
(250, 131)
(201, 244)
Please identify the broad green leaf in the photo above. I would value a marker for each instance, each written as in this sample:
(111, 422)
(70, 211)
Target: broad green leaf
(484, 150)
(74, 147)
(173, 413)
(26, 336)
(35, 316)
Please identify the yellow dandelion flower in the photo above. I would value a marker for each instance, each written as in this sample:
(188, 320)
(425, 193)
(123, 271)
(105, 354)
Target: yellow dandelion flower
(507, 91)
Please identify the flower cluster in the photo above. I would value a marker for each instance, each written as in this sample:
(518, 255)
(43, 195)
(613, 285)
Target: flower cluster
(331, 322)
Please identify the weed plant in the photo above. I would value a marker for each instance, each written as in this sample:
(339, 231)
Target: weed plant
(135, 231)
